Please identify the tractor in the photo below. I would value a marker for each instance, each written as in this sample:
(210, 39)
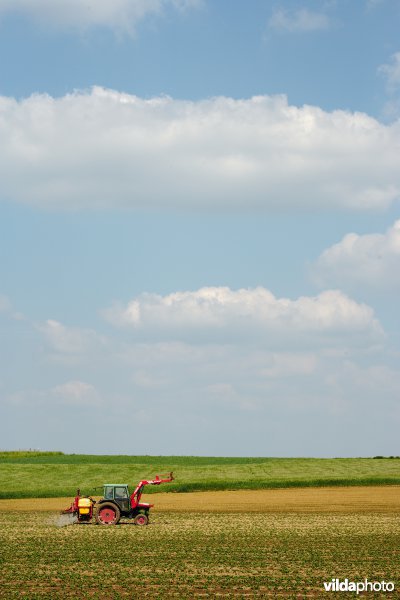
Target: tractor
(117, 502)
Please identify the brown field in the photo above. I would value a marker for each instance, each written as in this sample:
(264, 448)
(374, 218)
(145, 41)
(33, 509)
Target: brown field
(375, 499)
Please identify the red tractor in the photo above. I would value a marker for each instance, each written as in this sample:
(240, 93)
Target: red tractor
(117, 502)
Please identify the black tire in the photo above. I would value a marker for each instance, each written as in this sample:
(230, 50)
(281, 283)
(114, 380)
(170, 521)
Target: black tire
(107, 513)
(141, 520)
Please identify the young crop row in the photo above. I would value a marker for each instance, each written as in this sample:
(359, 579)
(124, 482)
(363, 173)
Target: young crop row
(192, 555)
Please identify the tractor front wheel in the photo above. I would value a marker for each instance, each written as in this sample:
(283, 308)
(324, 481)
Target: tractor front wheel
(108, 514)
(141, 520)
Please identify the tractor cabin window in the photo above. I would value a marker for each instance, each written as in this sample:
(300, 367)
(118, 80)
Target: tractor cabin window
(121, 493)
(108, 493)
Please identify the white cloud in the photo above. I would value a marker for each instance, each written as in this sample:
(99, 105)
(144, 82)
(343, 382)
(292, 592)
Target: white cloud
(258, 390)
(217, 401)
(225, 315)
(181, 378)
(371, 260)
(302, 20)
(391, 72)
(69, 341)
(105, 149)
(121, 15)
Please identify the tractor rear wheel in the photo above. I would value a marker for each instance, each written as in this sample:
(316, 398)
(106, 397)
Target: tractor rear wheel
(108, 514)
(141, 520)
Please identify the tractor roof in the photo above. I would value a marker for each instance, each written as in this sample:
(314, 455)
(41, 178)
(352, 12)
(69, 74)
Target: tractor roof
(117, 484)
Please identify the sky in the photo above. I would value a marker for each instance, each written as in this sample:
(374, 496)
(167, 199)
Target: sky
(200, 227)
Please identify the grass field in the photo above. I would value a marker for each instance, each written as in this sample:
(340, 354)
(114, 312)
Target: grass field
(186, 554)
(30, 474)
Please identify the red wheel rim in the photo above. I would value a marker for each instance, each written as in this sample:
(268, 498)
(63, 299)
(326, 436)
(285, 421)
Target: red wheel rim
(107, 515)
(140, 520)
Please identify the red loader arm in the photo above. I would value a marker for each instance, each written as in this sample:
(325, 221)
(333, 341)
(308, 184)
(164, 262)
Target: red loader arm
(136, 495)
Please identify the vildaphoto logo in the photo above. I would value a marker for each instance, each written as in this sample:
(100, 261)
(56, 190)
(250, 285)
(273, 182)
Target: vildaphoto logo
(344, 585)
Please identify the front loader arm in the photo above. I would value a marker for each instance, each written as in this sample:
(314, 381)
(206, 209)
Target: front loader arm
(159, 479)
(137, 493)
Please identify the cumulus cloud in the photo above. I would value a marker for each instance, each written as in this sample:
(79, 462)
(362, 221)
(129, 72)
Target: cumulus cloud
(222, 314)
(103, 149)
(302, 20)
(291, 379)
(69, 341)
(371, 260)
(122, 15)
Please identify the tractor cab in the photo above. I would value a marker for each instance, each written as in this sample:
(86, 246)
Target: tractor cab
(118, 493)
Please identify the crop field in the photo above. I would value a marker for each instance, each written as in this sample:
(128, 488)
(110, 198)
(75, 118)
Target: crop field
(260, 552)
(30, 474)
(196, 555)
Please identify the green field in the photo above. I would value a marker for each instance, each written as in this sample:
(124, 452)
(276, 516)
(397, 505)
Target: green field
(191, 555)
(36, 474)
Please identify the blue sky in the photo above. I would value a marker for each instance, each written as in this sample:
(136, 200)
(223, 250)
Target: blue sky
(199, 226)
